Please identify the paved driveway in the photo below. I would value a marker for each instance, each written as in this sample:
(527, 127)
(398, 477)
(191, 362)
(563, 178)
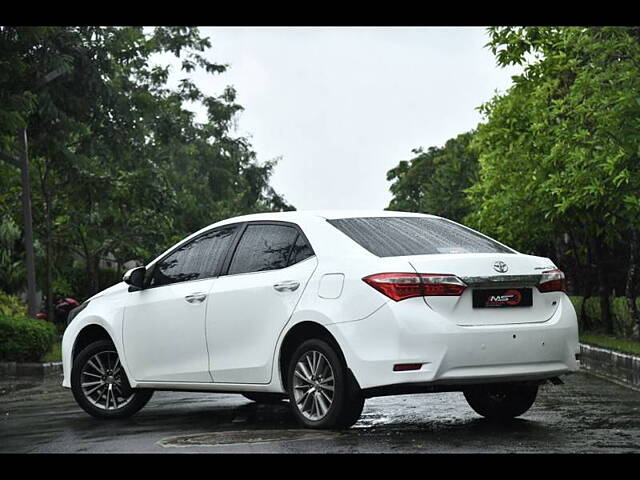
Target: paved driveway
(586, 414)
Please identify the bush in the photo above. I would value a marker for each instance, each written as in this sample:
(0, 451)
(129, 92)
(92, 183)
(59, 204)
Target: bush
(577, 301)
(622, 319)
(24, 339)
(623, 323)
(11, 305)
(593, 313)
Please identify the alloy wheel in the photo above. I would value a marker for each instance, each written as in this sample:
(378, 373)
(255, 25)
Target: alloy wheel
(313, 385)
(101, 380)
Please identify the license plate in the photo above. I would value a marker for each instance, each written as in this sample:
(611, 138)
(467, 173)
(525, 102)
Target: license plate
(502, 298)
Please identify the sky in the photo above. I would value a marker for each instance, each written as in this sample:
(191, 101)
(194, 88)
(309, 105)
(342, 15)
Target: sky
(341, 106)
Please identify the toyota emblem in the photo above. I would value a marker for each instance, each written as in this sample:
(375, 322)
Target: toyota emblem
(500, 266)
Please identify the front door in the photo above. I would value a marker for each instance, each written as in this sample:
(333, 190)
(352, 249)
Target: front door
(164, 324)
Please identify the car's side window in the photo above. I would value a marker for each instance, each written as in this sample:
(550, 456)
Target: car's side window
(194, 260)
(301, 250)
(263, 247)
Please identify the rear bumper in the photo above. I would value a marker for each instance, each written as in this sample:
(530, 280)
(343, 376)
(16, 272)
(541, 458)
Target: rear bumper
(453, 355)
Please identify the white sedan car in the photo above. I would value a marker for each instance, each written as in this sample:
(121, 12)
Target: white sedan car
(326, 309)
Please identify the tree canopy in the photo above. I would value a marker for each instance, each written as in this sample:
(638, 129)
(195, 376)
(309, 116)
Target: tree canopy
(557, 156)
(119, 165)
(434, 181)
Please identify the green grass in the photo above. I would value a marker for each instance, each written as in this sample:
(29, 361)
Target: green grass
(623, 345)
(55, 354)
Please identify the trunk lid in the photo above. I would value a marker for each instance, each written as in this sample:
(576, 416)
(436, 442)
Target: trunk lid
(490, 271)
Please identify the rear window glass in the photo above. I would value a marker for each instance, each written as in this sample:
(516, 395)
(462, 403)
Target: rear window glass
(397, 236)
(263, 247)
(301, 251)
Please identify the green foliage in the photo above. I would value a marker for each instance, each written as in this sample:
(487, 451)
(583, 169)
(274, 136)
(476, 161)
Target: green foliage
(623, 322)
(577, 302)
(12, 269)
(435, 181)
(79, 285)
(24, 339)
(623, 345)
(54, 354)
(559, 154)
(558, 151)
(593, 313)
(120, 167)
(554, 168)
(11, 305)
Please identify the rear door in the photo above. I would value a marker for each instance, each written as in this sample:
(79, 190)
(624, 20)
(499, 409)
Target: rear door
(250, 305)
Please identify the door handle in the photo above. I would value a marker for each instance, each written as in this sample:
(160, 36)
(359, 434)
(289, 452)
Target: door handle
(195, 297)
(288, 286)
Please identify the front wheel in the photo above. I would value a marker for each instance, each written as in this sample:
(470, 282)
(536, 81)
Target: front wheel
(100, 385)
(501, 401)
(322, 394)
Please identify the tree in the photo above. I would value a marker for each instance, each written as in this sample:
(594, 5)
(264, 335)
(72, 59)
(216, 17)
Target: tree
(435, 181)
(120, 166)
(559, 152)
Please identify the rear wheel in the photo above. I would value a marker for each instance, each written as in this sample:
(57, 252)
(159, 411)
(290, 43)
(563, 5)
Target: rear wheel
(322, 394)
(501, 401)
(269, 398)
(100, 385)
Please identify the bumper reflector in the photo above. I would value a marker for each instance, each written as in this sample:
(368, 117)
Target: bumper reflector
(403, 367)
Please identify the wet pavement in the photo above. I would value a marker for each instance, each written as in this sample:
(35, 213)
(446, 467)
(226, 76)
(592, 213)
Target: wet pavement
(587, 414)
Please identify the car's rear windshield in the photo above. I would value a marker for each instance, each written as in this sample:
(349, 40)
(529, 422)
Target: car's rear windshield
(398, 236)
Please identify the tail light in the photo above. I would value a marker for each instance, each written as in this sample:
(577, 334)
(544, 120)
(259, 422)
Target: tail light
(399, 286)
(552, 281)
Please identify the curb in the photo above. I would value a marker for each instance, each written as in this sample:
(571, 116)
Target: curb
(31, 369)
(620, 368)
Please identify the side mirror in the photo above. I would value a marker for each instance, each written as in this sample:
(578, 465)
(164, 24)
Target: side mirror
(135, 278)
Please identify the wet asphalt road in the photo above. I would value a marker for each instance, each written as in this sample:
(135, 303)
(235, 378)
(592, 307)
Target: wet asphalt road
(587, 414)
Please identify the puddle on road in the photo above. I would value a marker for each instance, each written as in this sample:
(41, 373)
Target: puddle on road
(236, 437)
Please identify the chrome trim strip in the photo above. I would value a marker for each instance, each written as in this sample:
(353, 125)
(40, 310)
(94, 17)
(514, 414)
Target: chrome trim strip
(499, 280)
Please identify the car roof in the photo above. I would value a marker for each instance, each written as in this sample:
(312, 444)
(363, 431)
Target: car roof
(326, 214)
(296, 216)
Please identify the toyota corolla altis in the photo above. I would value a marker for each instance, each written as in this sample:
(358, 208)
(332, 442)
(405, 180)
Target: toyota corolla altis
(326, 309)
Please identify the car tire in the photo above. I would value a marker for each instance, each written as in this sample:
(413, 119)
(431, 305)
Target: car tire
(501, 401)
(322, 392)
(352, 411)
(98, 381)
(266, 398)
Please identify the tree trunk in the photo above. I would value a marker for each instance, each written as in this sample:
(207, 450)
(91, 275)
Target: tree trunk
(581, 276)
(93, 262)
(603, 288)
(584, 320)
(588, 284)
(45, 188)
(579, 270)
(48, 261)
(49, 279)
(630, 287)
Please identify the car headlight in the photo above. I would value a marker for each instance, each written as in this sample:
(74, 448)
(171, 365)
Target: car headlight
(73, 313)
